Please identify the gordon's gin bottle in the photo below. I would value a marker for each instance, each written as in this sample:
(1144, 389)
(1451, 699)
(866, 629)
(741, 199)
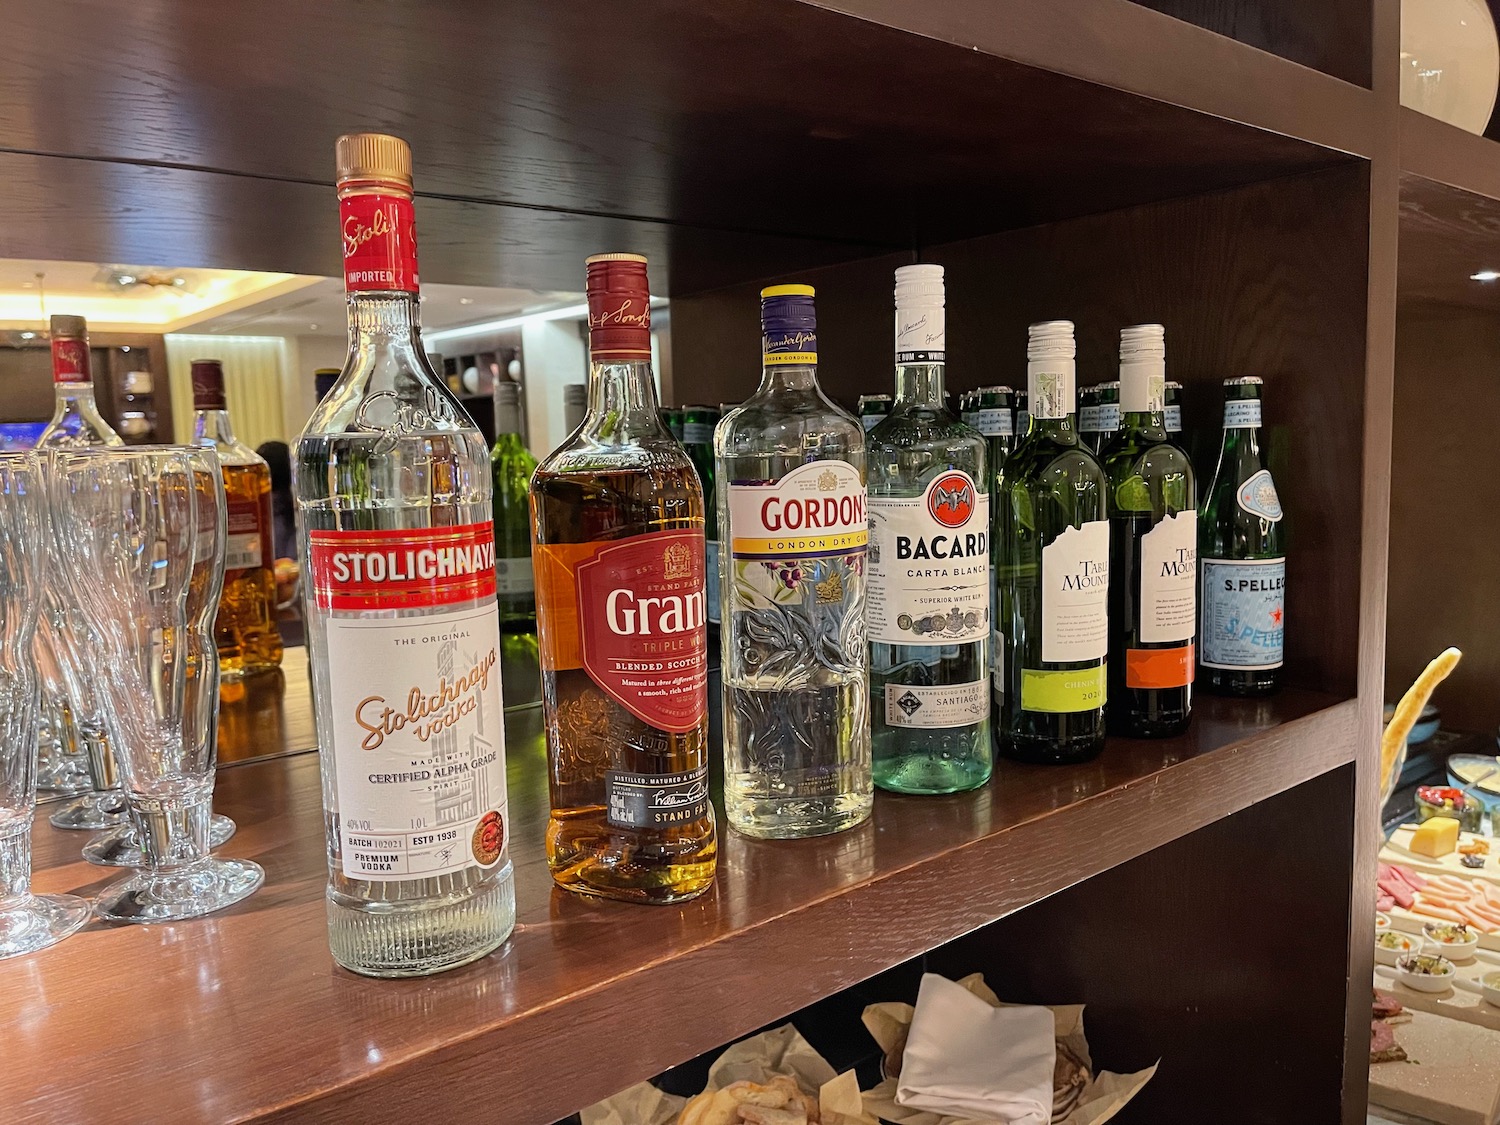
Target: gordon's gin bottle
(393, 485)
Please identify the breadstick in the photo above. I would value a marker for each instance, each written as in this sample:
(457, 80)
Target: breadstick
(1410, 709)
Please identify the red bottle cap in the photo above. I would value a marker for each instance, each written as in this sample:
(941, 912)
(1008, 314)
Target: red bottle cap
(619, 307)
(70, 350)
(208, 384)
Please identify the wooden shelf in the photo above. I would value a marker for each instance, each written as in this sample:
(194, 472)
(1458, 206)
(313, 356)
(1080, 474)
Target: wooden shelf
(247, 1017)
(1450, 213)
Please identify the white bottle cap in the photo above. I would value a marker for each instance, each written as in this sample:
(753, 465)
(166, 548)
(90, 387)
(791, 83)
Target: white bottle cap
(920, 325)
(1049, 369)
(1051, 339)
(1143, 368)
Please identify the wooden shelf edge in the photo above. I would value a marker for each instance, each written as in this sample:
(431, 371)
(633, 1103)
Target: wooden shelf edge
(1435, 151)
(1129, 47)
(758, 974)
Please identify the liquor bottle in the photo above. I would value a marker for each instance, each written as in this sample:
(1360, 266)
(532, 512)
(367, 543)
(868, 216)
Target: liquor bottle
(1241, 558)
(927, 610)
(698, 424)
(393, 486)
(511, 466)
(791, 475)
(575, 402)
(994, 418)
(1052, 558)
(1173, 412)
(673, 416)
(245, 630)
(873, 410)
(1153, 605)
(619, 552)
(76, 422)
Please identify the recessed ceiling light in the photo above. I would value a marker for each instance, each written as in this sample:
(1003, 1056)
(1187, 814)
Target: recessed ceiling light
(124, 347)
(1485, 275)
(312, 327)
(28, 285)
(466, 300)
(28, 335)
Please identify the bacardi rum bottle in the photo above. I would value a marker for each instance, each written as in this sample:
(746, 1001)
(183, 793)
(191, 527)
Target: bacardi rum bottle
(245, 629)
(393, 484)
(622, 624)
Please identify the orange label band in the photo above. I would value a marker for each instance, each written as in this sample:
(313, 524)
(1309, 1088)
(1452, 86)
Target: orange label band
(1159, 667)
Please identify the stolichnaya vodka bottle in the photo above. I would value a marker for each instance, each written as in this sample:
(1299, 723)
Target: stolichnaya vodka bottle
(793, 528)
(393, 487)
(927, 608)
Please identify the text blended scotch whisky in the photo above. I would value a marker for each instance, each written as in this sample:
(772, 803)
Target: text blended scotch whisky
(792, 511)
(245, 630)
(619, 557)
(927, 610)
(1052, 563)
(76, 422)
(1153, 607)
(393, 485)
(511, 466)
(1241, 558)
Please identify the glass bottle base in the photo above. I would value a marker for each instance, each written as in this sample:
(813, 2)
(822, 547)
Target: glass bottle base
(37, 921)
(793, 818)
(932, 775)
(1045, 752)
(120, 847)
(169, 894)
(599, 881)
(417, 939)
(1221, 681)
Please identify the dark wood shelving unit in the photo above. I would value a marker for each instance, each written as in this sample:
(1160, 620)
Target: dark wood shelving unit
(1239, 170)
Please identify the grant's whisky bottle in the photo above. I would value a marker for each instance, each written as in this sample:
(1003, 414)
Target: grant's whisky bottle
(1241, 558)
(245, 630)
(622, 625)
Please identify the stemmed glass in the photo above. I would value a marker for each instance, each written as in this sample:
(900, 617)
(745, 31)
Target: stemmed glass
(59, 766)
(28, 922)
(142, 532)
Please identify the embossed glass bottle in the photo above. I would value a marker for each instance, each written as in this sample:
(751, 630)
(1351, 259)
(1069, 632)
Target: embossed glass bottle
(792, 517)
(392, 480)
(927, 608)
(622, 625)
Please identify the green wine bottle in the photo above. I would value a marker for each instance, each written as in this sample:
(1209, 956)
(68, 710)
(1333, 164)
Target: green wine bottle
(1153, 605)
(1241, 559)
(1052, 560)
(511, 466)
(698, 424)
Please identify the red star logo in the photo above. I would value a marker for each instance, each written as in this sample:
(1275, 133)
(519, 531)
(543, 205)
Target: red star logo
(1276, 615)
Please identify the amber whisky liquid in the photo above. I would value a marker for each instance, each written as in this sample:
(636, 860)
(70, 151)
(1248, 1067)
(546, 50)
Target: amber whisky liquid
(245, 629)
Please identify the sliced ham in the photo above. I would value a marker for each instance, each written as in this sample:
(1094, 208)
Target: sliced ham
(1397, 890)
(1382, 1037)
(1385, 1005)
(1384, 903)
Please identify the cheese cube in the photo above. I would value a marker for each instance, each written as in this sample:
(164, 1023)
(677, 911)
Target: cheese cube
(1435, 837)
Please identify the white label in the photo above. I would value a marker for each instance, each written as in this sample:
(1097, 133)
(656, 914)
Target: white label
(1023, 422)
(514, 576)
(1088, 420)
(697, 433)
(993, 422)
(920, 332)
(929, 564)
(1109, 417)
(947, 705)
(419, 743)
(870, 421)
(1169, 580)
(1049, 388)
(1075, 594)
(1143, 385)
(1257, 495)
(816, 509)
(242, 552)
(1241, 413)
(1174, 419)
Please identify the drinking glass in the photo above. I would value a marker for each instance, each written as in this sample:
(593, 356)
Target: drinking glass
(28, 922)
(141, 532)
(60, 767)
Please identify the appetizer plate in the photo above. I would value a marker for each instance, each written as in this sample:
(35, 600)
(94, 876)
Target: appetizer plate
(1454, 949)
(1463, 1001)
(1439, 978)
(1397, 851)
(1407, 922)
(1457, 1079)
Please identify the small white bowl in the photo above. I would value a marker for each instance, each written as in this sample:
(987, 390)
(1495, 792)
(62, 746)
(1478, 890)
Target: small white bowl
(1382, 921)
(1440, 981)
(1457, 950)
(1490, 988)
(1387, 956)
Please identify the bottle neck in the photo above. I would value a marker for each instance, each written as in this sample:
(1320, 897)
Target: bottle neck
(1051, 400)
(507, 418)
(1242, 434)
(74, 398)
(920, 384)
(622, 401)
(211, 427)
(776, 377)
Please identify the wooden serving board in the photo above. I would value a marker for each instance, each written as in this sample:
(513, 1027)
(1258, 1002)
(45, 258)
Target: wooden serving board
(1453, 1076)
(1409, 923)
(1455, 1003)
(1396, 851)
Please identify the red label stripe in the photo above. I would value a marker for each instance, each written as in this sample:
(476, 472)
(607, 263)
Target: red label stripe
(402, 569)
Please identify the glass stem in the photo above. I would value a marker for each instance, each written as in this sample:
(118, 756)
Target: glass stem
(101, 761)
(173, 833)
(15, 864)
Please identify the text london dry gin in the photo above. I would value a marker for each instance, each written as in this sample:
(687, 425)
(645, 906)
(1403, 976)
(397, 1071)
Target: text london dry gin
(1052, 570)
(622, 624)
(927, 607)
(393, 487)
(794, 525)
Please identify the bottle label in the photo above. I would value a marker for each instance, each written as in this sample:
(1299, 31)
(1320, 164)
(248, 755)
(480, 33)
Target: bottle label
(816, 509)
(638, 800)
(920, 335)
(1108, 418)
(711, 578)
(870, 421)
(929, 564)
(620, 324)
(70, 361)
(1241, 413)
(380, 242)
(1075, 595)
(1159, 667)
(1258, 497)
(419, 742)
(997, 663)
(1088, 420)
(992, 422)
(793, 346)
(1063, 692)
(1143, 385)
(514, 577)
(1243, 613)
(631, 613)
(1023, 422)
(248, 543)
(1169, 580)
(697, 433)
(1050, 388)
(945, 705)
(412, 568)
(1173, 417)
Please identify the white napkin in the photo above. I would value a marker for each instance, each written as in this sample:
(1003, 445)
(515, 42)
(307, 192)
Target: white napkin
(967, 1058)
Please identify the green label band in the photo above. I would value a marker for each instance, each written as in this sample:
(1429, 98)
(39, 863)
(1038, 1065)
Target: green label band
(1065, 692)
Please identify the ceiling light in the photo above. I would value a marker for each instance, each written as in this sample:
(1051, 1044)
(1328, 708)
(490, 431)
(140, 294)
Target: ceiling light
(28, 335)
(466, 300)
(28, 285)
(1485, 275)
(124, 347)
(127, 279)
(490, 326)
(312, 327)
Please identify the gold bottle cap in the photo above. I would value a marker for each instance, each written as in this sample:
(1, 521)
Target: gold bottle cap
(373, 156)
(69, 327)
(592, 258)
